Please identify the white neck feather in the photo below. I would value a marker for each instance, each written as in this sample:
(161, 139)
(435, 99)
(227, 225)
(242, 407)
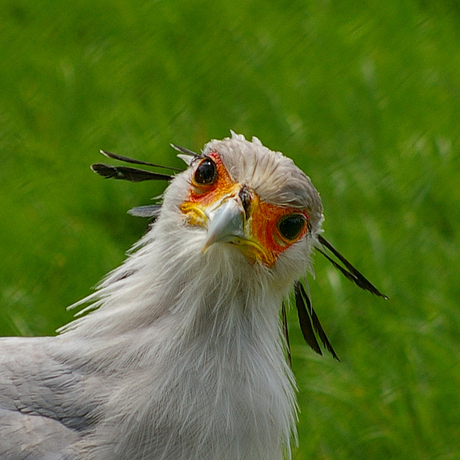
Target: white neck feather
(195, 345)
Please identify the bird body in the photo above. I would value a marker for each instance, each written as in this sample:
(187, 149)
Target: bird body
(182, 355)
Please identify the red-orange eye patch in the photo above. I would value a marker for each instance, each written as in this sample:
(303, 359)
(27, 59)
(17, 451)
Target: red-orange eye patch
(267, 225)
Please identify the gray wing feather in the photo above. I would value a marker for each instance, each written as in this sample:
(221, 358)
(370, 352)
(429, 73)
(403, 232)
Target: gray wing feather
(25, 436)
(44, 408)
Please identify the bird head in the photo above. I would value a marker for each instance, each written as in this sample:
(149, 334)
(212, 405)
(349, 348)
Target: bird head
(240, 196)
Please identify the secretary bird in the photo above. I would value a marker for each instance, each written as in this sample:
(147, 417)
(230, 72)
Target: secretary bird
(184, 354)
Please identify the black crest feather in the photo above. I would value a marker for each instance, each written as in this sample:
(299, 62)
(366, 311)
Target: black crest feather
(115, 156)
(184, 150)
(127, 173)
(309, 321)
(348, 270)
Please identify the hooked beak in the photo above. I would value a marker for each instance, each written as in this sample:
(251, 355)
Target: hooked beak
(225, 223)
(230, 221)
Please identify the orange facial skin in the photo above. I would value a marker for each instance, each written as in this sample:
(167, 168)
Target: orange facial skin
(263, 240)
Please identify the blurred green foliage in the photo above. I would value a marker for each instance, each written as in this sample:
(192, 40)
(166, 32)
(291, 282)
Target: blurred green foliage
(363, 95)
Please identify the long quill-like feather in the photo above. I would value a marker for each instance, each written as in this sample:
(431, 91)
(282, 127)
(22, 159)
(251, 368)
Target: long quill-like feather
(306, 311)
(304, 319)
(127, 173)
(349, 271)
(115, 156)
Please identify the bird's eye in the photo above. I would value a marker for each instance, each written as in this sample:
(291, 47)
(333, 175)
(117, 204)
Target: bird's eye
(291, 226)
(206, 173)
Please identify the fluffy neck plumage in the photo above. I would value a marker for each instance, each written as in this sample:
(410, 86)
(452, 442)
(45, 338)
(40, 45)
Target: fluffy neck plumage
(168, 275)
(195, 339)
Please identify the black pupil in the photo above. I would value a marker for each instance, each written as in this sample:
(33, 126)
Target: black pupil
(291, 226)
(205, 174)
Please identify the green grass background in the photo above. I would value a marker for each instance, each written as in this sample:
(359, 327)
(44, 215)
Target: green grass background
(365, 96)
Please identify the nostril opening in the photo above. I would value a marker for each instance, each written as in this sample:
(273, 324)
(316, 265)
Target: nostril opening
(245, 197)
